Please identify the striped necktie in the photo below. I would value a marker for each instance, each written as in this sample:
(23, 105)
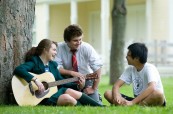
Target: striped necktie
(74, 61)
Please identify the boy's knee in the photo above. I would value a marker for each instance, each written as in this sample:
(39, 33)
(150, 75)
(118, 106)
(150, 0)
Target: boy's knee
(155, 99)
(107, 93)
(158, 94)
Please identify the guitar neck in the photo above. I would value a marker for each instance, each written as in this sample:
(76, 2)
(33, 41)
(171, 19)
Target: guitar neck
(64, 81)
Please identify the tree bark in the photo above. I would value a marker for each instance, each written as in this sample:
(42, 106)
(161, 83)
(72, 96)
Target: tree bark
(16, 20)
(117, 47)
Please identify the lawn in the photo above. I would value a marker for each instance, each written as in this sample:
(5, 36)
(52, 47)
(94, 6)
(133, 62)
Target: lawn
(167, 83)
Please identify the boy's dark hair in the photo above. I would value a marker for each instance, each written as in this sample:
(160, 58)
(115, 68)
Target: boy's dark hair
(71, 32)
(139, 50)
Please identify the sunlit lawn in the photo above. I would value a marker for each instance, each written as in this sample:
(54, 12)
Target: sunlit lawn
(167, 83)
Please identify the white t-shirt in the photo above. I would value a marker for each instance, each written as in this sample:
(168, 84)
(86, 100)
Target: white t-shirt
(141, 79)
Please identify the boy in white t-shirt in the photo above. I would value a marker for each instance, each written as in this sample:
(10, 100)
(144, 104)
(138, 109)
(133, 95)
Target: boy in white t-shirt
(144, 77)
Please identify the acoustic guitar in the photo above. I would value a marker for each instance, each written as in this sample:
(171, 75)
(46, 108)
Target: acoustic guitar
(26, 94)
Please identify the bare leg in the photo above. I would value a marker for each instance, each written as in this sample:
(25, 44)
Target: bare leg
(66, 100)
(75, 94)
(108, 96)
(155, 99)
(81, 97)
(69, 98)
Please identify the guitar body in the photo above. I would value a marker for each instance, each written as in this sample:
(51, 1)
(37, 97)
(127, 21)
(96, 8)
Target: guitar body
(22, 93)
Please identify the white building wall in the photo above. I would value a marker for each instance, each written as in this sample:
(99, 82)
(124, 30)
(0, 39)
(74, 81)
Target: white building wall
(41, 22)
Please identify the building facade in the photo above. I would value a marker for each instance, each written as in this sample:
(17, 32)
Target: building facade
(147, 21)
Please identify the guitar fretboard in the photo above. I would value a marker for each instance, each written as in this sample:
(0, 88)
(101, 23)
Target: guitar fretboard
(64, 81)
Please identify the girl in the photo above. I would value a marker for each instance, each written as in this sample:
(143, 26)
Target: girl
(35, 61)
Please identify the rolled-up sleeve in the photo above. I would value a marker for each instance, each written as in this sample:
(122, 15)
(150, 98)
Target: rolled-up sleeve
(95, 60)
(58, 57)
(59, 61)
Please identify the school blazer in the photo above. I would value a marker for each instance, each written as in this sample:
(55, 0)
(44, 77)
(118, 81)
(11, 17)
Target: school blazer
(35, 65)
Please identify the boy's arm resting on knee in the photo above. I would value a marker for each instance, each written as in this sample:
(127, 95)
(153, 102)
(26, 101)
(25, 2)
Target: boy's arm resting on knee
(115, 90)
(97, 81)
(148, 91)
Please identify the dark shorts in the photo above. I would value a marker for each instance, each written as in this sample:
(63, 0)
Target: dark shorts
(53, 99)
(164, 104)
(127, 97)
(131, 98)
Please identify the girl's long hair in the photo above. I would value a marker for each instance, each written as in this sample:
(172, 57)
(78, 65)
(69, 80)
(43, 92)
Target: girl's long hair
(37, 51)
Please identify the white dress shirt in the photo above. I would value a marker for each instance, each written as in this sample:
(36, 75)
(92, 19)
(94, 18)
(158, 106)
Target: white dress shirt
(87, 58)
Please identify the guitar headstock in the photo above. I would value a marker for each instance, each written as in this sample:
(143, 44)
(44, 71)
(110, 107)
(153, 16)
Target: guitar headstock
(91, 76)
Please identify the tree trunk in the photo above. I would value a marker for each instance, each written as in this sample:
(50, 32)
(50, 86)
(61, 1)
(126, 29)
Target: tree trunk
(16, 20)
(117, 47)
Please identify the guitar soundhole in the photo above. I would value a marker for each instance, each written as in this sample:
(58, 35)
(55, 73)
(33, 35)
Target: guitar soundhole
(45, 85)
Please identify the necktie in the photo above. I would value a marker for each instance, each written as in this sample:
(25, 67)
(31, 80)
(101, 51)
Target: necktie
(74, 61)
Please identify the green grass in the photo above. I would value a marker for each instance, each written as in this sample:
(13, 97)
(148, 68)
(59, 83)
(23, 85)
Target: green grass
(167, 83)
